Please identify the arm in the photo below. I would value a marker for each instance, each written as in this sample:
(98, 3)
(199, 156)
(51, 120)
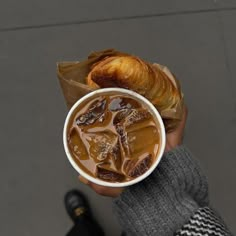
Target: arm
(174, 197)
(173, 200)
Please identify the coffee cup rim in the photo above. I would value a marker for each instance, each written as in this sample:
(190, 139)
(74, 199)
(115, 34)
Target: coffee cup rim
(156, 115)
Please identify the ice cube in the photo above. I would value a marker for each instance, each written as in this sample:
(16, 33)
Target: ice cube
(108, 174)
(121, 115)
(76, 145)
(140, 139)
(136, 167)
(137, 116)
(115, 157)
(94, 113)
(101, 144)
(120, 103)
(123, 139)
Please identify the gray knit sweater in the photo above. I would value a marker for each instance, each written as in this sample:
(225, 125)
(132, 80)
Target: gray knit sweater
(173, 200)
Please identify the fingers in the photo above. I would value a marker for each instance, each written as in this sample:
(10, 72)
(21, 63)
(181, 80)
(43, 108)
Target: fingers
(182, 124)
(101, 190)
(178, 133)
(184, 118)
(175, 138)
(83, 180)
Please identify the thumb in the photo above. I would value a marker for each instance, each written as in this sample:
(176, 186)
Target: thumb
(83, 180)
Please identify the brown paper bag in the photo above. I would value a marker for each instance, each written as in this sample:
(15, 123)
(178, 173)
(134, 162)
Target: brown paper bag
(72, 77)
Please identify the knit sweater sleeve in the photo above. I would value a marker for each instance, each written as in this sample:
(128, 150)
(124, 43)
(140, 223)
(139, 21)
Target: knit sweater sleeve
(165, 201)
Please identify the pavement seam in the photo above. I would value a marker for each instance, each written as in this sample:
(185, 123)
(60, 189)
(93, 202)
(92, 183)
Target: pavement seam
(229, 73)
(82, 22)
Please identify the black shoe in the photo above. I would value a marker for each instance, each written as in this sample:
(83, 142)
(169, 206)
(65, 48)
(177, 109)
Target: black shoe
(76, 205)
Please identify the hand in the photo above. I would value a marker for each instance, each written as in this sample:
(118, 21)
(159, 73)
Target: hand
(173, 139)
(102, 190)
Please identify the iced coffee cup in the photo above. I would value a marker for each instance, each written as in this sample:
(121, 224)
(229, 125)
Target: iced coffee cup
(114, 137)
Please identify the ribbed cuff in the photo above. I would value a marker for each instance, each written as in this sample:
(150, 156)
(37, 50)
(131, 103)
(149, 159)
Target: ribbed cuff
(163, 202)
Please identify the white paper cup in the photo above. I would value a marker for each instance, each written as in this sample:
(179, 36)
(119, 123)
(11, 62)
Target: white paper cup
(148, 105)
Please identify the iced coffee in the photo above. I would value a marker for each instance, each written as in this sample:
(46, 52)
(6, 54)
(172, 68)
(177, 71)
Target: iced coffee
(113, 137)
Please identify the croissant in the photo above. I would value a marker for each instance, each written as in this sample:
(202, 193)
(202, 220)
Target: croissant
(153, 81)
